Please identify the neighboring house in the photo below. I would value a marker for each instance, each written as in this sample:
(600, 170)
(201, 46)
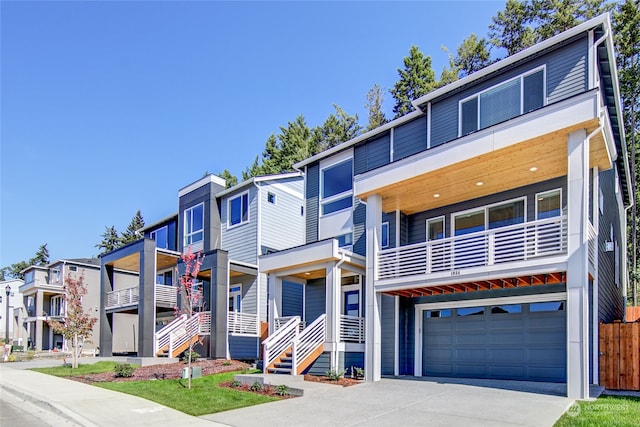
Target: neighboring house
(17, 334)
(492, 220)
(230, 228)
(43, 296)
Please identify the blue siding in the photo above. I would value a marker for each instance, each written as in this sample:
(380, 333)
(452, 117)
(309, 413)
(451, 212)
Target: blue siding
(406, 336)
(312, 192)
(315, 299)
(349, 359)
(372, 154)
(410, 138)
(321, 366)
(359, 225)
(205, 194)
(391, 219)
(388, 334)
(243, 347)
(292, 299)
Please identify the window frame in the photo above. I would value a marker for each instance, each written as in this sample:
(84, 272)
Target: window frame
(336, 197)
(187, 235)
(477, 95)
(231, 199)
(433, 219)
(271, 194)
(235, 294)
(154, 233)
(59, 300)
(486, 208)
(382, 235)
(542, 193)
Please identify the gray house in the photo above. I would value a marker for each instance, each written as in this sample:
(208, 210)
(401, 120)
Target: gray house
(481, 235)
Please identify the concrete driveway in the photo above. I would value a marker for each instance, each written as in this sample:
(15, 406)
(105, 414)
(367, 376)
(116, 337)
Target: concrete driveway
(411, 402)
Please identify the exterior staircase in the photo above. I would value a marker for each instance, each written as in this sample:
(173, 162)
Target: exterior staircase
(290, 350)
(178, 335)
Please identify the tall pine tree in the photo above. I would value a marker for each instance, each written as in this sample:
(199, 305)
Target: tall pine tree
(110, 240)
(375, 113)
(133, 233)
(417, 78)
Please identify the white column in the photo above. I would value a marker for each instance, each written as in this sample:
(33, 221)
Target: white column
(577, 271)
(372, 362)
(275, 299)
(332, 307)
(595, 214)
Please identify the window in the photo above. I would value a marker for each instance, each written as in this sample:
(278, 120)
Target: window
(54, 276)
(438, 313)
(546, 306)
(56, 306)
(346, 240)
(384, 239)
(489, 217)
(235, 297)
(502, 102)
(239, 209)
(161, 236)
(193, 224)
(470, 311)
(548, 204)
(506, 214)
(73, 268)
(29, 276)
(271, 197)
(352, 303)
(506, 309)
(336, 187)
(165, 278)
(469, 223)
(435, 228)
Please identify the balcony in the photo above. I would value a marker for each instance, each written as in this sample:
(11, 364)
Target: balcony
(243, 323)
(351, 329)
(166, 296)
(517, 245)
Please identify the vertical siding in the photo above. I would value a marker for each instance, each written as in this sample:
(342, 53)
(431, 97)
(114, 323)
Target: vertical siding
(350, 359)
(359, 225)
(391, 219)
(312, 194)
(321, 366)
(292, 299)
(282, 224)
(610, 296)
(388, 334)
(315, 299)
(240, 241)
(406, 336)
(410, 138)
(372, 154)
(243, 347)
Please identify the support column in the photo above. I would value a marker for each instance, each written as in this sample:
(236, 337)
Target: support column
(39, 323)
(332, 308)
(595, 322)
(275, 300)
(219, 300)
(146, 303)
(577, 266)
(106, 320)
(372, 362)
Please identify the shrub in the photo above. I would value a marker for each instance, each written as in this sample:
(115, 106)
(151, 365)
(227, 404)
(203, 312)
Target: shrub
(124, 370)
(357, 373)
(226, 363)
(336, 374)
(282, 390)
(236, 384)
(194, 356)
(256, 387)
(31, 355)
(12, 358)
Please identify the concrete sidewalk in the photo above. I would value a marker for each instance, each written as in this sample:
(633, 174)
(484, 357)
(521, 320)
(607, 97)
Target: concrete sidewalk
(87, 405)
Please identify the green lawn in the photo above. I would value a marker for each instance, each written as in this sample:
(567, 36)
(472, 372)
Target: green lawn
(607, 411)
(204, 397)
(66, 371)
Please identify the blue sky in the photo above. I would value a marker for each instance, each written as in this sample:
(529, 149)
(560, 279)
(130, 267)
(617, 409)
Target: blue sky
(110, 107)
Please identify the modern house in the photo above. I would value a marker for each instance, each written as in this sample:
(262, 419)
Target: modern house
(17, 334)
(481, 235)
(43, 298)
(230, 227)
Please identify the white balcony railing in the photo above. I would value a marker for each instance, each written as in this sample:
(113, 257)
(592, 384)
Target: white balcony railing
(122, 298)
(518, 242)
(281, 321)
(166, 296)
(351, 328)
(243, 323)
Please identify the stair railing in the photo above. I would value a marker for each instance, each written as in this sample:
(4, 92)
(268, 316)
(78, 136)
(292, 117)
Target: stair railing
(278, 342)
(307, 341)
(183, 329)
(163, 335)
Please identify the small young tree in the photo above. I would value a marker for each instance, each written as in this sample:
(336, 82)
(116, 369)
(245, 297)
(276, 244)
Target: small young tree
(191, 296)
(77, 324)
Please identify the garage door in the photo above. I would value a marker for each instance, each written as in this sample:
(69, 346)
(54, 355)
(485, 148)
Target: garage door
(514, 341)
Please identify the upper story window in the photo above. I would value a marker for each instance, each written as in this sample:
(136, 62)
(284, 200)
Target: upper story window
(489, 217)
(194, 224)
(161, 236)
(336, 187)
(548, 204)
(55, 275)
(239, 209)
(271, 197)
(384, 239)
(57, 306)
(502, 102)
(29, 276)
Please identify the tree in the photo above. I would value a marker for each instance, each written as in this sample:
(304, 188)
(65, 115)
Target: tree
(14, 271)
(191, 294)
(77, 325)
(417, 78)
(229, 178)
(472, 55)
(336, 129)
(110, 240)
(42, 256)
(132, 233)
(449, 73)
(511, 28)
(374, 108)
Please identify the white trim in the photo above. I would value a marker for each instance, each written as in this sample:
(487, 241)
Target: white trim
(350, 288)
(590, 61)
(382, 235)
(200, 183)
(444, 227)
(287, 190)
(153, 234)
(396, 336)
(542, 193)
(397, 228)
(419, 308)
(256, 179)
(391, 136)
(428, 125)
(322, 200)
(258, 278)
(485, 209)
(229, 200)
(184, 225)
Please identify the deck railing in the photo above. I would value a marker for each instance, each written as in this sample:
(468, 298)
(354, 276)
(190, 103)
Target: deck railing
(281, 321)
(518, 242)
(351, 328)
(166, 296)
(122, 297)
(279, 341)
(181, 330)
(308, 341)
(243, 323)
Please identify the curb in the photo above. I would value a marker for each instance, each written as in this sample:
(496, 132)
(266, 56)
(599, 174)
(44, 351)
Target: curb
(50, 406)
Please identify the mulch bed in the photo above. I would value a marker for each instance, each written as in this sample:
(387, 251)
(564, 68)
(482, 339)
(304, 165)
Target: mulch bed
(344, 382)
(166, 371)
(267, 390)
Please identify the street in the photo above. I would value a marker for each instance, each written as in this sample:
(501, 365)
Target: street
(15, 411)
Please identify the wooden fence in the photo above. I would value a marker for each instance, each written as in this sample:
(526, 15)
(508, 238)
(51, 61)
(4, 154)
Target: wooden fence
(620, 356)
(633, 314)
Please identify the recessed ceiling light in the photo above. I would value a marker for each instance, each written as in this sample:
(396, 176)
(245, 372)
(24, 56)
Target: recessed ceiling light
(479, 183)
(307, 274)
(436, 195)
(533, 168)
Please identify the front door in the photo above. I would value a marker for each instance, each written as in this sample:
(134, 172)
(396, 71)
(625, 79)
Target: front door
(352, 303)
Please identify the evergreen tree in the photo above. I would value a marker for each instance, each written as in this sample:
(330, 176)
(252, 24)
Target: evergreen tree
(42, 256)
(374, 108)
(417, 78)
(472, 55)
(336, 129)
(253, 170)
(14, 271)
(110, 240)
(511, 28)
(229, 178)
(449, 73)
(133, 233)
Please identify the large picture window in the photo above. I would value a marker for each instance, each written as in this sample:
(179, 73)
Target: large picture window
(194, 224)
(336, 184)
(57, 306)
(502, 102)
(161, 236)
(239, 209)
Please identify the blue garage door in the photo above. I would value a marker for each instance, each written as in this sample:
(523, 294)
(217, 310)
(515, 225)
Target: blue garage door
(514, 341)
